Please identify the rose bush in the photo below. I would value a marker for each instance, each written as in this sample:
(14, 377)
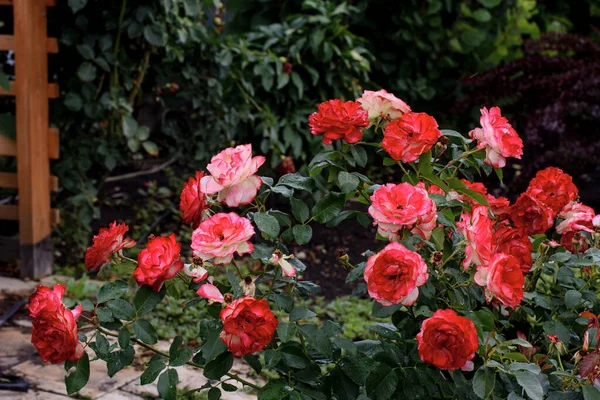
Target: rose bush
(477, 298)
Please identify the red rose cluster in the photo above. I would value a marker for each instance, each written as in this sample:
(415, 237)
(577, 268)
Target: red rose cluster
(54, 330)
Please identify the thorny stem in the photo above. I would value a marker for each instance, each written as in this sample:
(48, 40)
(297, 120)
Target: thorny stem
(166, 355)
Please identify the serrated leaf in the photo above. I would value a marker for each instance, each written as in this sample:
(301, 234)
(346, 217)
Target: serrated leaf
(254, 362)
(267, 224)
(218, 367)
(87, 72)
(153, 369)
(146, 299)
(167, 384)
(483, 382)
(144, 331)
(302, 233)
(328, 207)
(531, 384)
(299, 209)
(301, 312)
(286, 331)
(76, 380)
(112, 290)
(121, 309)
(381, 383)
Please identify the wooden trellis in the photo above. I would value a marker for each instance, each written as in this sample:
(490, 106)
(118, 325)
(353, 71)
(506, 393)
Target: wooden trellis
(35, 142)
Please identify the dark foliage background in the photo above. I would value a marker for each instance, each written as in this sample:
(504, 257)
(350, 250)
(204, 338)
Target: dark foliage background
(160, 85)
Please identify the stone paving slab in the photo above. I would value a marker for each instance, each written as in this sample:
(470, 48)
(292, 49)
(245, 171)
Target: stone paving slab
(31, 395)
(16, 287)
(120, 395)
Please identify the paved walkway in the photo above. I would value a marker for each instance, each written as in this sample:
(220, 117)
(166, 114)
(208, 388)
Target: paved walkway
(18, 357)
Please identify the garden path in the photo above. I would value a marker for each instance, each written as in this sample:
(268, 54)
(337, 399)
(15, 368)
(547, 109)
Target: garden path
(18, 357)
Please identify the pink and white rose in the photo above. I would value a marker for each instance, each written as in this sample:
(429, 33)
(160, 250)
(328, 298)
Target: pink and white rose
(381, 104)
(222, 235)
(232, 176)
(477, 230)
(497, 137)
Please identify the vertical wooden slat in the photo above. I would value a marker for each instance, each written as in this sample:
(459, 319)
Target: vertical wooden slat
(33, 166)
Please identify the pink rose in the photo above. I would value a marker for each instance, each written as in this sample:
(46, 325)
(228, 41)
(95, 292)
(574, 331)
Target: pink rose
(394, 275)
(477, 230)
(403, 206)
(576, 217)
(232, 176)
(210, 292)
(498, 137)
(222, 235)
(382, 104)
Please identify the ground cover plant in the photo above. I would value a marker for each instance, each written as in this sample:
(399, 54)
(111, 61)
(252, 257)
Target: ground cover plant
(479, 298)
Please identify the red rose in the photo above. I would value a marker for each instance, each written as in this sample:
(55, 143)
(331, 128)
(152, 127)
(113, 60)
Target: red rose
(405, 139)
(447, 341)
(193, 201)
(394, 274)
(160, 261)
(530, 215)
(54, 327)
(248, 326)
(509, 240)
(505, 279)
(338, 120)
(108, 241)
(553, 188)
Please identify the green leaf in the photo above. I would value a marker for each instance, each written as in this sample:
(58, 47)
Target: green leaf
(121, 309)
(73, 102)
(124, 337)
(301, 312)
(274, 390)
(144, 331)
(77, 5)
(302, 233)
(218, 367)
(347, 181)
(380, 311)
(167, 384)
(297, 81)
(297, 181)
(212, 346)
(153, 369)
(229, 387)
(490, 3)
(267, 224)
(483, 382)
(118, 360)
(76, 380)
(112, 290)
(86, 72)
(286, 331)
(557, 328)
(4, 82)
(282, 80)
(155, 35)
(381, 382)
(214, 393)
(146, 299)
(293, 355)
(179, 355)
(254, 362)
(531, 384)
(150, 147)
(86, 51)
(102, 347)
(299, 209)
(590, 392)
(482, 15)
(572, 298)
(328, 207)
(359, 154)
(499, 173)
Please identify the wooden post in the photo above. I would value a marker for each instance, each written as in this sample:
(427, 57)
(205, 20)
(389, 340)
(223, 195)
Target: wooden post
(33, 166)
